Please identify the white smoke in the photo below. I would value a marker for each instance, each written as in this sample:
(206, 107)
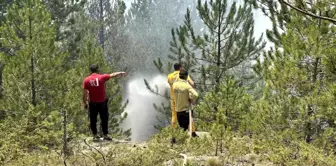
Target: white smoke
(141, 113)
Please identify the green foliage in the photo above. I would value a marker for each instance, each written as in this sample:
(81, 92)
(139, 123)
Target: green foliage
(42, 68)
(32, 84)
(108, 25)
(90, 54)
(41, 84)
(224, 110)
(300, 82)
(62, 12)
(227, 107)
(226, 43)
(270, 150)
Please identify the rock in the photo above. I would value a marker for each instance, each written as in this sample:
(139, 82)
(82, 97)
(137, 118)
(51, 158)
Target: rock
(203, 134)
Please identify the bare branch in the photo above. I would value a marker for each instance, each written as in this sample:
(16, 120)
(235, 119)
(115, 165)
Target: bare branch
(308, 13)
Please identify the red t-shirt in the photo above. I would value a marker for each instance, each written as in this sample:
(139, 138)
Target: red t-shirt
(95, 84)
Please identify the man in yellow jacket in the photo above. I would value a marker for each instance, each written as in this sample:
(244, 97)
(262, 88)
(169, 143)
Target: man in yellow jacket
(184, 95)
(173, 77)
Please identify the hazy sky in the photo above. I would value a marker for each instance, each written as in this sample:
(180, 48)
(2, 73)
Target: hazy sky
(262, 22)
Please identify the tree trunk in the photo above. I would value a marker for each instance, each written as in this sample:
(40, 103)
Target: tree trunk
(310, 110)
(216, 152)
(33, 88)
(101, 32)
(65, 141)
(218, 49)
(221, 143)
(309, 133)
(2, 112)
(1, 70)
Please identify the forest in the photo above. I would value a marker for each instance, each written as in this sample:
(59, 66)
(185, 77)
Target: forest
(257, 105)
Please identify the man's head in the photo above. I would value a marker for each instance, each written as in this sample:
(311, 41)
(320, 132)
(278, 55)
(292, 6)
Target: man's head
(183, 74)
(94, 68)
(177, 66)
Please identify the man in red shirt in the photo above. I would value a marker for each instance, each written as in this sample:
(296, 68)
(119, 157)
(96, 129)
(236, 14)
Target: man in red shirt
(94, 89)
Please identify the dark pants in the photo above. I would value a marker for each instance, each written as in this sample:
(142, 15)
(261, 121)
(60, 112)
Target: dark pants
(183, 119)
(94, 109)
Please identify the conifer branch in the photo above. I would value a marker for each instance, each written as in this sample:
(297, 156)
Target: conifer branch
(153, 91)
(308, 13)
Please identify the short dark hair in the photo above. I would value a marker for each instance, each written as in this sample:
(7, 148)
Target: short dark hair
(177, 66)
(94, 68)
(183, 74)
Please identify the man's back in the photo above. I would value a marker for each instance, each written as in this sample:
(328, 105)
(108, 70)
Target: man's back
(172, 78)
(182, 93)
(95, 84)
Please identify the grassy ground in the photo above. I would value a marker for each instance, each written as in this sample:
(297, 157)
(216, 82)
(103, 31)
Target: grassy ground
(236, 150)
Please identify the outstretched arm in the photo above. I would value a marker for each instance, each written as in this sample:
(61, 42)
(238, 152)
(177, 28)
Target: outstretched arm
(118, 74)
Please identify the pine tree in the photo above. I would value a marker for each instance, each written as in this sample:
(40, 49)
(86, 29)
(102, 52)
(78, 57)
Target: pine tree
(149, 27)
(31, 80)
(109, 19)
(62, 12)
(226, 43)
(41, 85)
(276, 9)
(150, 24)
(65, 14)
(233, 103)
(300, 79)
(91, 53)
(3, 6)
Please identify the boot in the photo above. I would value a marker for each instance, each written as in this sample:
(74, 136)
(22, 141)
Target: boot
(107, 138)
(193, 134)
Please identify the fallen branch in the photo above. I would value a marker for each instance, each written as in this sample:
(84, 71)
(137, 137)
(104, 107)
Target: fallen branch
(103, 156)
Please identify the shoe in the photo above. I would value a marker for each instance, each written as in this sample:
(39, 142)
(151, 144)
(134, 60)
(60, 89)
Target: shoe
(96, 138)
(172, 140)
(107, 138)
(193, 134)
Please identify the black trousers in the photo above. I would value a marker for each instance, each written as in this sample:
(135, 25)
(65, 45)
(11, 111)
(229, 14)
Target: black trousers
(183, 119)
(102, 110)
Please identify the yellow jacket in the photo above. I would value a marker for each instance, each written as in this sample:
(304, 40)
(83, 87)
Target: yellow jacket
(183, 91)
(173, 77)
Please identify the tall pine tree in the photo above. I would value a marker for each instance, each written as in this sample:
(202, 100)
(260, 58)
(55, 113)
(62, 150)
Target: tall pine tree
(226, 43)
(109, 20)
(32, 84)
(300, 75)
